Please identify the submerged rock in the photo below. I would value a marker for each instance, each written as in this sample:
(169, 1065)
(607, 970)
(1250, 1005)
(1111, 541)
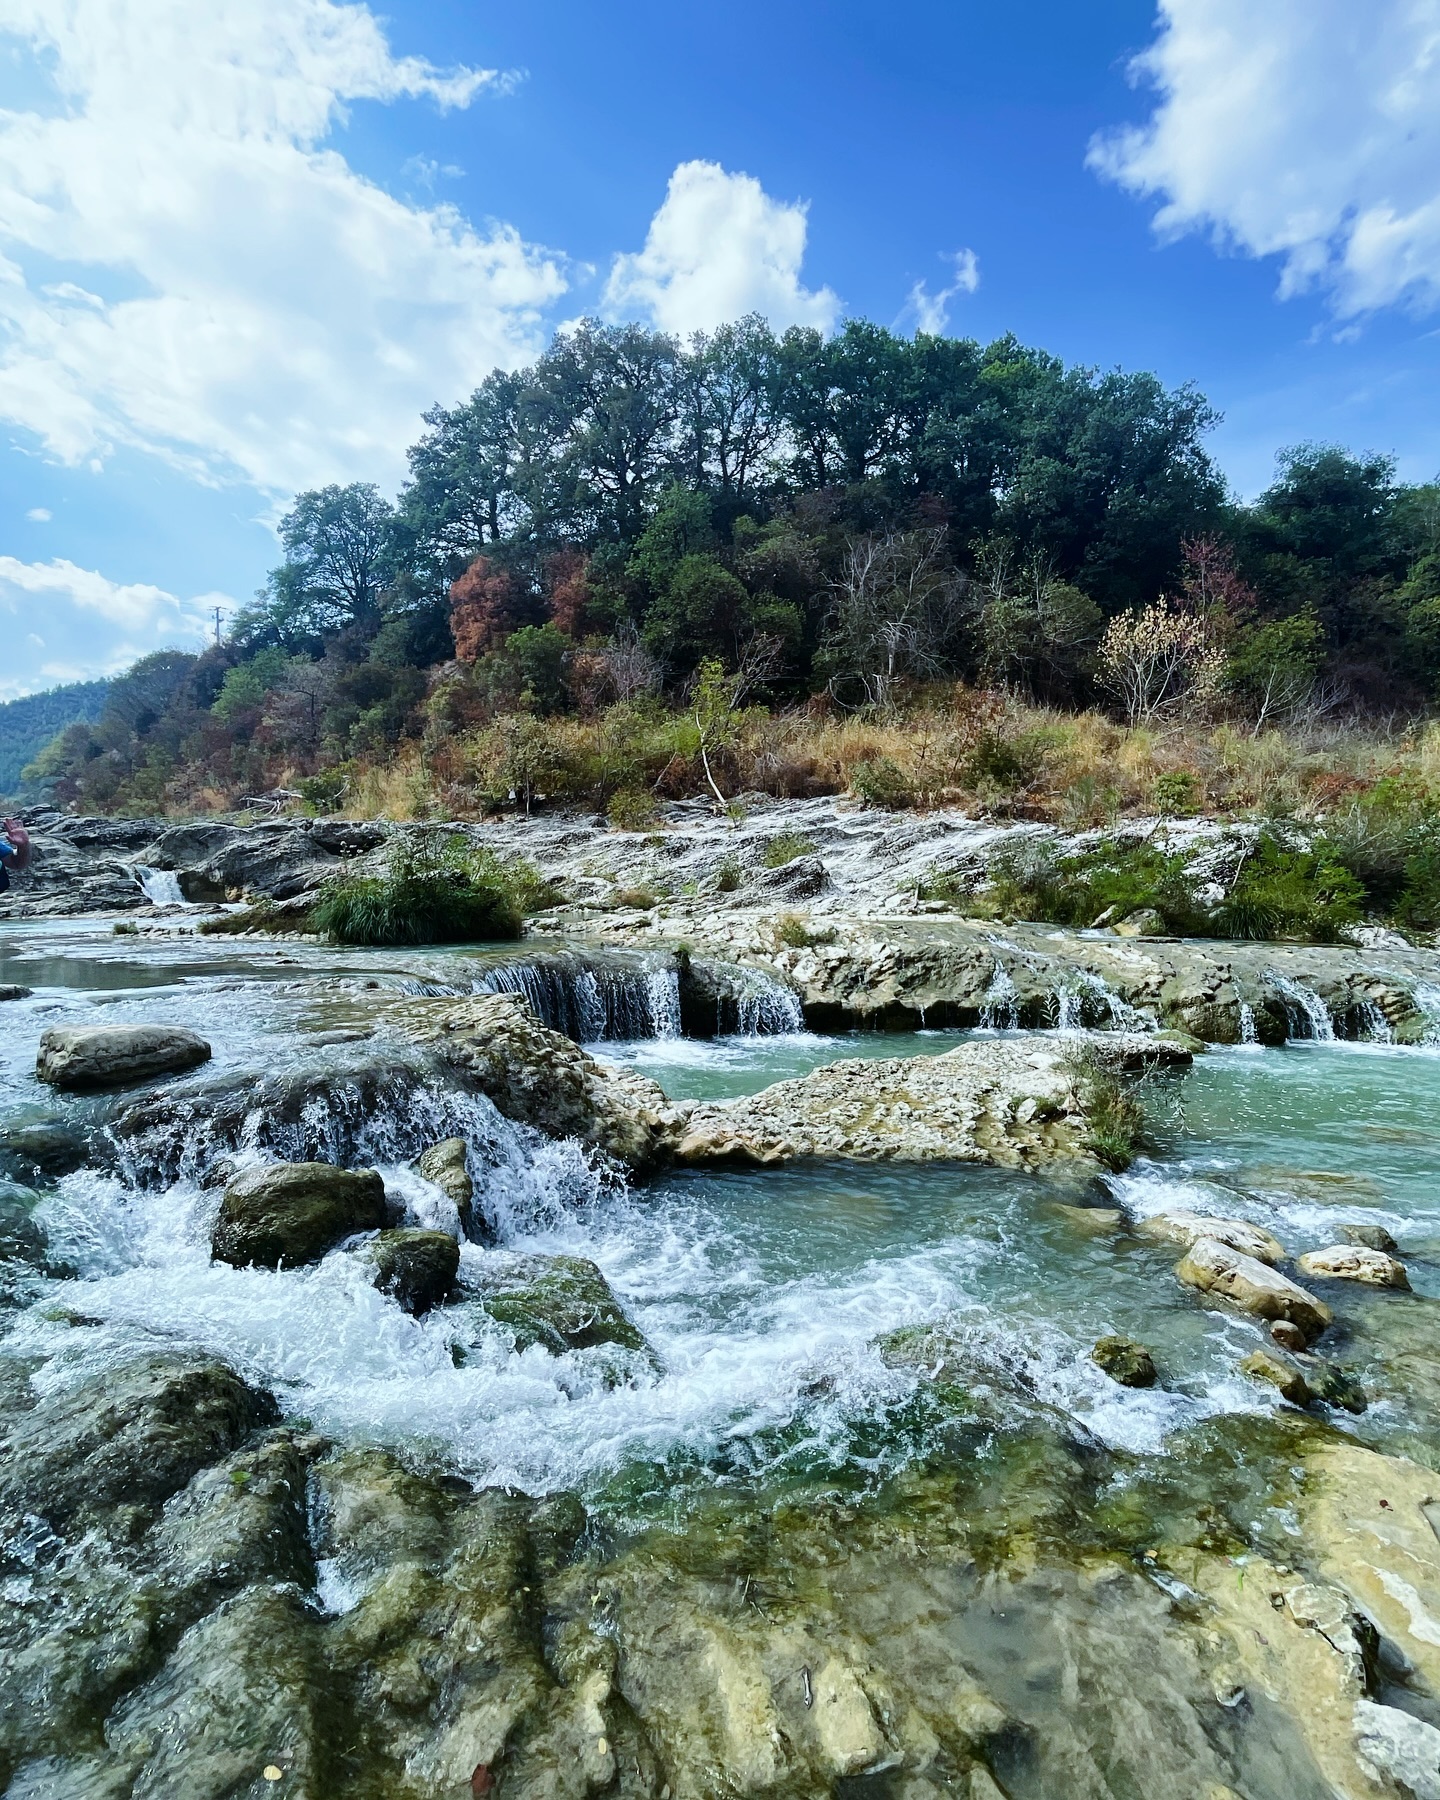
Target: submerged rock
(1124, 1360)
(9, 990)
(1253, 1286)
(1179, 1227)
(1276, 1372)
(45, 1150)
(80, 1057)
(293, 1213)
(417, 1268)
(561, 1302)
(1355, 1262)
(1334, 1385)
(446, 1166)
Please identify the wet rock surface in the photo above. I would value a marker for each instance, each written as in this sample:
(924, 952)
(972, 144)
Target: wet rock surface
(1124, 1360)
(1253, 1286)
(292, 1213)
(83, 1057)
(560, 1302)
(417, 1268)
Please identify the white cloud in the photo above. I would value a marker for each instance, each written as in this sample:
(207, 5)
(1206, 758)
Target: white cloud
(718, 248)
(931, 312)
(93, 625)
(236, 298)
(1303, 129)
(39, 515)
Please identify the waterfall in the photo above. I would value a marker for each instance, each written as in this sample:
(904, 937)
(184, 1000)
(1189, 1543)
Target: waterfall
(1426, 997)
(594, 1003)
(1248, 1033)
(1001, 1011)
(1087, 1000)
(1307, 1015)
(161, 887)
(1377, 1026)
(760, 1006)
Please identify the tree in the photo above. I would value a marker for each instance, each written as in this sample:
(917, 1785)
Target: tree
(1035, 631)
(897, 607)
(729, 429)
(1160, 659)
(484, 608)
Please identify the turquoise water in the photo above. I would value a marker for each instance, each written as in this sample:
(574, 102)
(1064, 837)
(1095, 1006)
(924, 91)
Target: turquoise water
(762, 1293)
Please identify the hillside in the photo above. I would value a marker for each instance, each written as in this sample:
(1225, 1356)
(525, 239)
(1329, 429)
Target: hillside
(27, 725)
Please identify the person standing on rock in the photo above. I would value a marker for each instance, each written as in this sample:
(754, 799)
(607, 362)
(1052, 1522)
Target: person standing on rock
(14, 851)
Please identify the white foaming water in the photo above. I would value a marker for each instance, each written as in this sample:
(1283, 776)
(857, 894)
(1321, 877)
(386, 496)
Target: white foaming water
(1087, 999)
(1309, 1017)
(1001, 1011)
(1426, 996)
(1249, 1036)
(161, 887)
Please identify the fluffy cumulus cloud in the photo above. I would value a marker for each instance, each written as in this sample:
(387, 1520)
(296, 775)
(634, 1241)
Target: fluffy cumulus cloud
(718, 248)
(189, 268)
(87, 625)
(1307, 130)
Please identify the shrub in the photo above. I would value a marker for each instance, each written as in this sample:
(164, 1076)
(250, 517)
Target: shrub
(322, 793)
(793, 930)
(642, 898)
(1176, 793)
(1001, 764)
(631, 809)
(1033, 881)
(1116, 1117)
(1285, 892)
(786, 847)
(881, 782)
(434, 891)
(728, 876)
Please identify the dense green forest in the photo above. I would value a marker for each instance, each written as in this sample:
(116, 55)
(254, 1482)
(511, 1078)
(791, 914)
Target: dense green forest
(27, 725)
(842, 524)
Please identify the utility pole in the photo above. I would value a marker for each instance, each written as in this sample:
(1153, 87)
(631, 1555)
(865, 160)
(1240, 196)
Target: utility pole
(219, 614)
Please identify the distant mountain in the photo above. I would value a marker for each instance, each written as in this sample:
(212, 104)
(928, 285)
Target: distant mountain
(27, 726)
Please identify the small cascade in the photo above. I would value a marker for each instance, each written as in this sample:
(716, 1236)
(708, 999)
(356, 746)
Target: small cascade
(161, 887)
(594, 1002)
(1377, 1026)
(1001, 1011)
(1248, 1033)
(1306, 1013)
(1426, 997)
(759, 1006)
(1086, 1001)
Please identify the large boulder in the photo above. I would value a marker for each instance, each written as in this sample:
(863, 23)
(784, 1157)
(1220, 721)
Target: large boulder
(542, 1078)
(290, 1213)
(131, 1435)
(86, 1057)
(417, 1268)
(1216, 1268)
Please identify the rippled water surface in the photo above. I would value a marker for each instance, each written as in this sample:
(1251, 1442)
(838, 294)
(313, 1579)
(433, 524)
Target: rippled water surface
(762, 1293)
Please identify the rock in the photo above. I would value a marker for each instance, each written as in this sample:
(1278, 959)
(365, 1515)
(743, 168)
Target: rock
(561, 1302)
(1334, 1385)
(445, 1165)
(1264, 1366)
(1286, 1335)
(1401, 1746)
(1373, 1237)
(541, 1078)
(1125, 1361)
(1355, 1262)
(1180, 1227)
(293, 1213)
(81, 1057)
(9, 991)
(998, 1101)
(131, 1435)
(417, 1268)
(1144, 923)
(1091, 1218)
(44, 1151)
(1251, 1285)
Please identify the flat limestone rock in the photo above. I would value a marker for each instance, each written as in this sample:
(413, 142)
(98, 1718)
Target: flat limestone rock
(1356, 1262)
(1021, 1105)
(1253, 1286)
(80, 1057)
(1180, 1227)
(291, 1213)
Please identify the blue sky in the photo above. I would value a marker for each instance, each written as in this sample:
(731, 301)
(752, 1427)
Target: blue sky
(242, 247)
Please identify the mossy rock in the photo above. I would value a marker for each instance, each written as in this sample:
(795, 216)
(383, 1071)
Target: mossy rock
(563, 1303)
(292, 1213)
(1124, 1360)
(416, 1268)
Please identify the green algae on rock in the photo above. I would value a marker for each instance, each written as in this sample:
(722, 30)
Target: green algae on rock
(290, 1213)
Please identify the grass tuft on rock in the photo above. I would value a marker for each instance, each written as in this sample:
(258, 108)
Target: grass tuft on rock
(436, 889)
(1113, 1110)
